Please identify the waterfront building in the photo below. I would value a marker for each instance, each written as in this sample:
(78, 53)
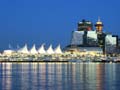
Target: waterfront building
(87, 39)
(58, 50)
(82, 50)
(110, 43)
(33, 50)
(118, 42)
(99, 26)
(100, 34)
(50, 50)
(77, 38)
(85, 25)
(92, 38)
(118, 48)
(8, 52)
(23, 50)
(41, 50)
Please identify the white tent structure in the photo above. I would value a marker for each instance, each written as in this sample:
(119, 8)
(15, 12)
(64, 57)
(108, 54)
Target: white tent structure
(58, 50)
(41, 50)
(50, 50)
(24, 50)
(33, 50)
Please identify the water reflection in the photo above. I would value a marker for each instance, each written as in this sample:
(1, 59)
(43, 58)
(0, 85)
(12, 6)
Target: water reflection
(59, 76)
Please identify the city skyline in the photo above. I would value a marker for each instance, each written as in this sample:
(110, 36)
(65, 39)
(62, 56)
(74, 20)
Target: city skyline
(43, 21)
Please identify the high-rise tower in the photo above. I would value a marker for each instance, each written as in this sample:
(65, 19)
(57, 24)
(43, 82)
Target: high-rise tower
(99, 26)
(100, 34)
(85, 25)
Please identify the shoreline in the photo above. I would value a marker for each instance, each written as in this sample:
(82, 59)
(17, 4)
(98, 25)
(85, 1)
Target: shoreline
(67, 61)
(31, 61)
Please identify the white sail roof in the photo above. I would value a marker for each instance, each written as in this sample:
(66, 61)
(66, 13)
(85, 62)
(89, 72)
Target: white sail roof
(33, 50)
(58, 50)
(24, 49)
(41, 50)
(50, 50)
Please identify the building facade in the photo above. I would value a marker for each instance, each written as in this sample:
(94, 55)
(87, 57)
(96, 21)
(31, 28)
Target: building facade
(86, 37)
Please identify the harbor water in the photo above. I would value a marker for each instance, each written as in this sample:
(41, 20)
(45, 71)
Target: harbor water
(59, 76)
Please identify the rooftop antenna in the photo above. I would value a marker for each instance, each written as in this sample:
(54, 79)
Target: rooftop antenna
(99, 19)
(9, 46)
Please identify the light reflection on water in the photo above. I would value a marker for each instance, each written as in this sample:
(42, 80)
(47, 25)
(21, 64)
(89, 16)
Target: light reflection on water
(59, 76)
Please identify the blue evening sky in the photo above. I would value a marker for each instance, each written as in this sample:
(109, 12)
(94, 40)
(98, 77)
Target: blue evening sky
(51, 21)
